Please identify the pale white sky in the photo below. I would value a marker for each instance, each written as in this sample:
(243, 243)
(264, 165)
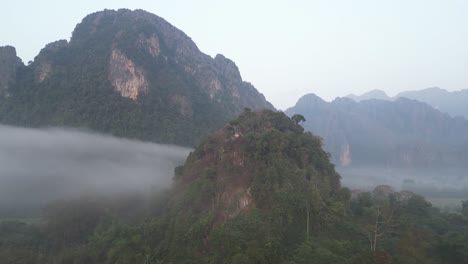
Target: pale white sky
(289, 48)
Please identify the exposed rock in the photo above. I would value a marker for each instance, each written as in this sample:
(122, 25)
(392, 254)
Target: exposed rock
(127, 78)
(214, 87)
(43, 71)
(345, 157)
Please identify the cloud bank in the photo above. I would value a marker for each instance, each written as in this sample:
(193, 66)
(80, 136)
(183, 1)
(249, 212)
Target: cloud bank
(40, 165)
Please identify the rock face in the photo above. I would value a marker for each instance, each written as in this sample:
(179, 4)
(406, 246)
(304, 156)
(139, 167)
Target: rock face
(125, 76)
(131, 65)
(400, 133)
(9, 64)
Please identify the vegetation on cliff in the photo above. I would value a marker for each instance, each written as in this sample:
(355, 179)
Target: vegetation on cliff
(127, 73)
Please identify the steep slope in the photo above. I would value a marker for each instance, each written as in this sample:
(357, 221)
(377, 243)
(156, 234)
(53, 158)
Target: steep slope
(257, 183)
(132, 74)
(403, 133)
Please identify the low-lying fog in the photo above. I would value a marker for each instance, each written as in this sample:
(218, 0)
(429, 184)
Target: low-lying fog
(442, 186)
(40, 165)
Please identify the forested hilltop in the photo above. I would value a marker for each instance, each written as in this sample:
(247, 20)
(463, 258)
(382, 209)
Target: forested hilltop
(259, 190)
(127, 73)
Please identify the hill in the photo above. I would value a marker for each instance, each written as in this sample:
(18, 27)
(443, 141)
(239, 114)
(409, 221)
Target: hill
(128, 73)
(258, 182)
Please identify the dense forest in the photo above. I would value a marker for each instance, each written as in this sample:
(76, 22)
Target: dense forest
(259, 190)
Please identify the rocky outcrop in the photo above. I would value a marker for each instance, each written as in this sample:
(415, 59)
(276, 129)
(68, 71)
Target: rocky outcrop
(127, 78)
(43, 71)
(345, 157)
(9, 64)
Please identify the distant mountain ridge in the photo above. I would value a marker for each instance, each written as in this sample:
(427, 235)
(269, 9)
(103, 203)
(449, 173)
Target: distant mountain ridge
(400, 133)
(454, 103)
(373, 94)
(129, 73)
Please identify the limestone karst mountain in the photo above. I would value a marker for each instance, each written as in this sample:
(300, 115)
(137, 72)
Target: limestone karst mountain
(403, 132)
(129, 73)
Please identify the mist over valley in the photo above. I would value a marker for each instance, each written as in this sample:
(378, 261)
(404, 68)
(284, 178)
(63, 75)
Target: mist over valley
(444, 186)
(38, 166)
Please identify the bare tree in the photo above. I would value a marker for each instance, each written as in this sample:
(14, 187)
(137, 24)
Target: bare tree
(384, 222)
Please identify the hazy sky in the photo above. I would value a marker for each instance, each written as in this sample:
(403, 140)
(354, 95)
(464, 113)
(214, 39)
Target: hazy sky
(289, 48)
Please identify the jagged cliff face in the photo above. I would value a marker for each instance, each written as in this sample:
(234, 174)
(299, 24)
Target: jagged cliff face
(165, 84)
(401, 133)
(127, 78)
(157, 44)
(9, 64)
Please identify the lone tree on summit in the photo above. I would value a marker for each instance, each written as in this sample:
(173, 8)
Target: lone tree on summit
(297, 118)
